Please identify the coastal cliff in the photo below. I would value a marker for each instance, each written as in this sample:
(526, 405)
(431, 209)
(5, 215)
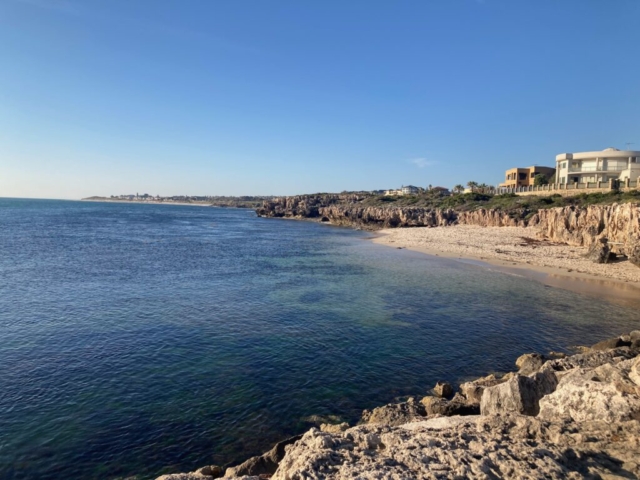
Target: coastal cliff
(575, 225)
(583, 226)
(347, 210)
(556, 417)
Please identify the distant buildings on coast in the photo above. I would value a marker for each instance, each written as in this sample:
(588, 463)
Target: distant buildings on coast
(605, 169)
(601, 166)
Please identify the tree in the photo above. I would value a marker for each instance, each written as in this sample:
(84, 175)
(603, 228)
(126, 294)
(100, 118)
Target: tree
(472, 185)
(458, 188)
(540, 179)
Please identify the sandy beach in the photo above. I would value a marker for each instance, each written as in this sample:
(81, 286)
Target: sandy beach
(518, 250)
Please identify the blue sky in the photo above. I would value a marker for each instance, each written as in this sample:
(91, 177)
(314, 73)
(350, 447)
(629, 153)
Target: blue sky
(101, 97)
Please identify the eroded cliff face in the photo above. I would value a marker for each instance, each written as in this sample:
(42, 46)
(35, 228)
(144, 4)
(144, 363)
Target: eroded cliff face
(345, 210)
(583, 226)
(580, 226)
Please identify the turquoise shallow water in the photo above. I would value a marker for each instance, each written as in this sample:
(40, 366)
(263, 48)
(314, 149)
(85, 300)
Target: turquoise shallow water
(143, 339)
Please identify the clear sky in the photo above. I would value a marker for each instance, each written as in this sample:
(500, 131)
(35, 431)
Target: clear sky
(239, 97)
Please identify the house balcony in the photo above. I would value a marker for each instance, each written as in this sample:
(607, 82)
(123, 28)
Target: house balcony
(596, 169)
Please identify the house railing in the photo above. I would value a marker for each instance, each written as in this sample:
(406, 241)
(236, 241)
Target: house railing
(560, 187)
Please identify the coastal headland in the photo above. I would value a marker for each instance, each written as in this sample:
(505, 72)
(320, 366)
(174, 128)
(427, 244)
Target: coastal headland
(557, 240)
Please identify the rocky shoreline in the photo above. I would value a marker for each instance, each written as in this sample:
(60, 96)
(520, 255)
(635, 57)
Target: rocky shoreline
(558, 416)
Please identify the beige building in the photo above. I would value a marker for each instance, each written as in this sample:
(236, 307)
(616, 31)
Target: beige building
(599, 166)
(523, 177)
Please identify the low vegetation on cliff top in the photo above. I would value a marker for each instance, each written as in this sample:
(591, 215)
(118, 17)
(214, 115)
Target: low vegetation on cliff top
(506, 202)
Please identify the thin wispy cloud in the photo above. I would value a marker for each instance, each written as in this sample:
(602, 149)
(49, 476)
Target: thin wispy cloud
(422, 162)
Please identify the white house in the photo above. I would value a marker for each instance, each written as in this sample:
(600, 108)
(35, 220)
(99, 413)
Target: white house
(600, 166)
(408, 190)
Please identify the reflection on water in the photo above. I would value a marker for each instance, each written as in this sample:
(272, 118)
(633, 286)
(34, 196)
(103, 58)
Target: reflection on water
(142, 339)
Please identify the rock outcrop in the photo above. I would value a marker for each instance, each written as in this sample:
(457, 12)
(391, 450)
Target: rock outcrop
(559, 417)
(346, 211)
(584, 226)
(579, 226)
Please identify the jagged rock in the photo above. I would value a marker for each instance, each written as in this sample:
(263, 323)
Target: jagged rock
(346, 210)
(395, 413)
(633, 254)
(590, 359)
(334, 428)
(610, 344)
(600, 252)
(510, 446)
(443, 389)
(519, 394)
(472, 391)
(266, 463)
(529, 363)
(458, 405)
(211, 471)
(607, 393)
(587, 426)
(184, 476)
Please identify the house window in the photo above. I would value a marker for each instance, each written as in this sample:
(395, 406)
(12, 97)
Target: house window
(533, 174)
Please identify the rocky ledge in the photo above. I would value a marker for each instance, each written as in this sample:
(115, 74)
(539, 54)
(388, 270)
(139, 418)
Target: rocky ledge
(557, 417)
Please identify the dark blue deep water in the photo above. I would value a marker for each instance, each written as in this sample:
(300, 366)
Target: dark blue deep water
(144, 339)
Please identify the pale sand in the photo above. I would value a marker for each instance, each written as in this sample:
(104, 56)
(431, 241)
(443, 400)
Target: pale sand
(517, 250)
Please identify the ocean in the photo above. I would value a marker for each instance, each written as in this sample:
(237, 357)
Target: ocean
(138, 340)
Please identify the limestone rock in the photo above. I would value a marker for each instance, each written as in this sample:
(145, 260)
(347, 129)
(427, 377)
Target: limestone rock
(472, 391)
(607, 393)
(530, 362)
(600, 252)
(334, 428)
(458, 405)
(610, 344)
(590, 359)
(510, 446)
(633, 254)
(184, 476)
(266, 463)
(211, 471)
(395, 413)
(519, 394)
(443, 389)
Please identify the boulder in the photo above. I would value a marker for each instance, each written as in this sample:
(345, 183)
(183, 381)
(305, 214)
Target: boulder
(472, 391)
(633, 254)
(266, 463)
(520, 394)
(530, 362)
(610, 344)
(212, 471)
(334, 428)
(456, 406)
(608, 393)
(600, 252)
(395, 413)
(443, 389)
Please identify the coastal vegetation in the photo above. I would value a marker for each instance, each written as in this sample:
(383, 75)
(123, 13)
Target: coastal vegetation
(508, 202)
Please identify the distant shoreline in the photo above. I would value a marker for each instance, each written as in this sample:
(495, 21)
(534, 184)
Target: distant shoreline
(150, 202)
